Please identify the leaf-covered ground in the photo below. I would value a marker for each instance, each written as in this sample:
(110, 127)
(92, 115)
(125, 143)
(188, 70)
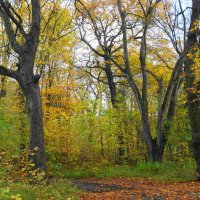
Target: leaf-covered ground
(136, 189)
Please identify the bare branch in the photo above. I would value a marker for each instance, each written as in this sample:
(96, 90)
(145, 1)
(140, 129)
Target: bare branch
(152, 74)
(90, 46)
(7, 7)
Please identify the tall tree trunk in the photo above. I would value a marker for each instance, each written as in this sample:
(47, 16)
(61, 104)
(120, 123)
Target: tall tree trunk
(36, 139)
(194, 114)
(30, 87)
(193, 86)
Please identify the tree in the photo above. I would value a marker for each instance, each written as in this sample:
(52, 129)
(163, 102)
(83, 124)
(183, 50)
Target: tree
(192, 81)
(24, 43)
(105, 31)
(166, 101)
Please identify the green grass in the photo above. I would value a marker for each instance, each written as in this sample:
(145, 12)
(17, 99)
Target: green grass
(61, 190)
(158, 171)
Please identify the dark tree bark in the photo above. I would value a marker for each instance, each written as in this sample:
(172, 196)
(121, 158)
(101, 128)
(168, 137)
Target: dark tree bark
(192, 85)
(111, 82)
(25, 75)
(162, 134)
(34, 109)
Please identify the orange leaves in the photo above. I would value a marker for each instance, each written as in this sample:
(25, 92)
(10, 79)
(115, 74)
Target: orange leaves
(141, 189)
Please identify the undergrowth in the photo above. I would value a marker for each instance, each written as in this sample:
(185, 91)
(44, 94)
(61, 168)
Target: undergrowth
(22, 191)
(166, 171)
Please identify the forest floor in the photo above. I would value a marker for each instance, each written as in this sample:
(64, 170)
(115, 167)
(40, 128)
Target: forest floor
(136, 189)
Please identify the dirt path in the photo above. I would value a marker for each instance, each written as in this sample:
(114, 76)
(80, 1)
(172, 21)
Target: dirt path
(136, 189)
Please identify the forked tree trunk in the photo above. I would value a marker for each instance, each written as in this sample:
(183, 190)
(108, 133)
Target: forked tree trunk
(156, 147)
(166, 100)
(154, 151)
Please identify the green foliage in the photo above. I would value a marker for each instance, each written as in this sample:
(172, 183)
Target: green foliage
(9, 138)
(4, 192)
(13, 123)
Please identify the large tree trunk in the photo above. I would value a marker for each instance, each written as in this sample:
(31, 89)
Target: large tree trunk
(34, 109)
(193, 112)
(29, 84)
(194, 116)
(192, 85)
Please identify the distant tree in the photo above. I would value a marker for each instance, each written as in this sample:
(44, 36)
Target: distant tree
(104, 29)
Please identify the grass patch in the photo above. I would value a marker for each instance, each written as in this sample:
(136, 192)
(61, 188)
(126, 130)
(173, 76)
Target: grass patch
(22, 191)
(159, 171)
